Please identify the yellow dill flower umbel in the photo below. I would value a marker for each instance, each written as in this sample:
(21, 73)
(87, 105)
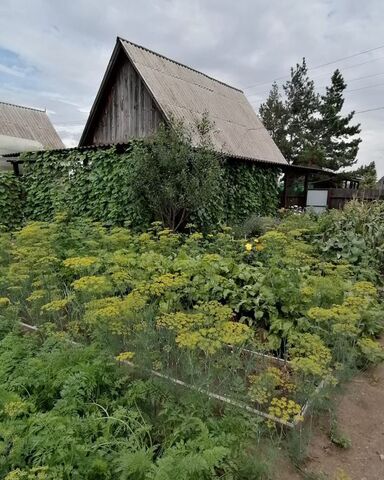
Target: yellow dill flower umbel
(248, 247)
(80, 263)
(92, 284)
(4, 302)
(55, 305)
(125, 356)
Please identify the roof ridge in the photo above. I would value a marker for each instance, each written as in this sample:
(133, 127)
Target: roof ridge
(179, 63)
(23, 106)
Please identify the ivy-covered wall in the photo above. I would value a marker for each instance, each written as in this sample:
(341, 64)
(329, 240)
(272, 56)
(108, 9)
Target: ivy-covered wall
(93, 183)
(100, 184)
(250, 189)
(11, 201)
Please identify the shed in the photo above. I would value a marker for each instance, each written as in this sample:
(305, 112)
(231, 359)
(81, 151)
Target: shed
(25, 129)
(141, 89)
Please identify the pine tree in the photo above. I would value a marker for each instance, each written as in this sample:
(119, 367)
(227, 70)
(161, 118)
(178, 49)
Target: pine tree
(274, 117)
(302, 125)
(367, 175)
(338, 137)
(309, 129)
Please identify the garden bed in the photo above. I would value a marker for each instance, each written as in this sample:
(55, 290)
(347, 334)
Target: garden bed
(172, 303)
(270, 360)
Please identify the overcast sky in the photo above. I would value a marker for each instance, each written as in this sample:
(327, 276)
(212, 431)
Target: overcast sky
(53, 53)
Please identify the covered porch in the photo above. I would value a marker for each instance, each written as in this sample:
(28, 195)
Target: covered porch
(318, 189)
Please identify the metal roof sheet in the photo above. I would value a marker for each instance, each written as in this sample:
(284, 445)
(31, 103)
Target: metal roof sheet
(185, 93)
(28, 124)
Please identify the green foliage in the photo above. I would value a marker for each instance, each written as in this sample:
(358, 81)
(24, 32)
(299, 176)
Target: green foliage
(274, 115)
(338, 138)
(158, 179)
(355, 235)
(249, 190)
(176, 180)
(68, 412)
(297, 445)
(302, 104)
(11, 201)
(367, 175)
(252, 467)
(337, 437)
(183, 306)
(95, 183)
(310, 129)
(255, 225)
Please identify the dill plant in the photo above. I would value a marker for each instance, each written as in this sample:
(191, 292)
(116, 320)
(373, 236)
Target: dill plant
(193, 307)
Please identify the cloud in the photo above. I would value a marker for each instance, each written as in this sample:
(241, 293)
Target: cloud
(11, 71)
(53, 54)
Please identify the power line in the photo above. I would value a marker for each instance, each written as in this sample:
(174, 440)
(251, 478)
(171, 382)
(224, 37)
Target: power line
(369, 110)
(323, 74)
(328, 73)
(363, 78)
(364, 88)
(346, 58)
(321, 65)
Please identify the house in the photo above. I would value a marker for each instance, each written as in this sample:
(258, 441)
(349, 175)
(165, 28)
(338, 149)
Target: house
(141, 89)
(380, 184)
(25, 129)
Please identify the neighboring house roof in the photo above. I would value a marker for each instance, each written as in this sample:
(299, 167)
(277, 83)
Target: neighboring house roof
(184, 93)
(380, 182)
(25, 128)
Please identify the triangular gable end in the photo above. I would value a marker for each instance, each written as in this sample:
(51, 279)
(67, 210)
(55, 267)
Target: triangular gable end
(141, 88)
(124, 107)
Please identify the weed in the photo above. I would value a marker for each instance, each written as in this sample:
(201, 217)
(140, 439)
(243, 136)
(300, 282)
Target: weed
(337, 437)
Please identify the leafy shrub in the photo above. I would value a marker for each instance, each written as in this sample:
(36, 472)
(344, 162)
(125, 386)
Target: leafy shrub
(174, 180)
(254, 226)
(356, 235)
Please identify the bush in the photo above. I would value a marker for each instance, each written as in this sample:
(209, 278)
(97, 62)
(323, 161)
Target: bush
(355, 235)
(177, 181)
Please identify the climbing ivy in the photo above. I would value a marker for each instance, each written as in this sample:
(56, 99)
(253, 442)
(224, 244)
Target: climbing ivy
(11, 201)
(101, 184)
(93, 183)
(250, 189)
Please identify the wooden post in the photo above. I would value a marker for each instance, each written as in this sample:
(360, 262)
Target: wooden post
(285, 190)
(16, 169)
(305, 189)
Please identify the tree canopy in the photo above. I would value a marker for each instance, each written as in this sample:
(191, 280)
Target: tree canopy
(309, 128)
(367, 175)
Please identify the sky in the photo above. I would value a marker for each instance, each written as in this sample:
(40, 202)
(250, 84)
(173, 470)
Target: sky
(53, 53)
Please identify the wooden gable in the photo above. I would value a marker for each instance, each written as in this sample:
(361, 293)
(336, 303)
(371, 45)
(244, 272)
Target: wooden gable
(125, 108)
(141, 88)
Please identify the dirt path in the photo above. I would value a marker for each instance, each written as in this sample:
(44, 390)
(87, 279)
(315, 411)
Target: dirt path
(360, 416)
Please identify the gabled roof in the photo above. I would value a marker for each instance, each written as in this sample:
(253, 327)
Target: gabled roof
(26, 127)
(181, 92)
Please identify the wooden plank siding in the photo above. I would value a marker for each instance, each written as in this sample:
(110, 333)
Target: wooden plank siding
(126, 110)
(338, 197)
(140, 88)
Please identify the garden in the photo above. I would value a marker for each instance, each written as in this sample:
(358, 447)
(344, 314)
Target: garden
(163, 354)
